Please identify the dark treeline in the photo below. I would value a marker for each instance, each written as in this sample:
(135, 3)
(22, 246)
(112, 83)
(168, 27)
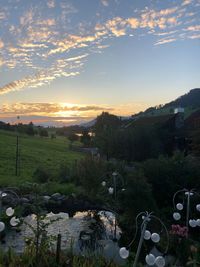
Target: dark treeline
(127, 141)
(29, 129)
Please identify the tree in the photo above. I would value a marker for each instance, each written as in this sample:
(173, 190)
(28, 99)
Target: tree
(105, 129)
(85, 138)
(43, 132)
(72, 138)
(30, 129)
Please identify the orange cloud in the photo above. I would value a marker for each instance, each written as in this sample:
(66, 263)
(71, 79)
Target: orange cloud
(117, 26)
(50, 109)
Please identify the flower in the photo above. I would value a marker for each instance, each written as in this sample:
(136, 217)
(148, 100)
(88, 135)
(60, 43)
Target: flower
(181, 231)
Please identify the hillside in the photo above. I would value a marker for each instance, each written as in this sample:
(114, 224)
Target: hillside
(190, 102)
(191, 99)
(34, 152)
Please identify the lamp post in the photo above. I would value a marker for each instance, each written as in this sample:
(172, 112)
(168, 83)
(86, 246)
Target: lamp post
(9, 211)
(186, 196)
(115, 178)
(145, 234)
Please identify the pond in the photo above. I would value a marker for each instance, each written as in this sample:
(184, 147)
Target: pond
(84, 232)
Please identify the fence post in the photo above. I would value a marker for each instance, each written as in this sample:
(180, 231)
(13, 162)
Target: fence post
(58, 249)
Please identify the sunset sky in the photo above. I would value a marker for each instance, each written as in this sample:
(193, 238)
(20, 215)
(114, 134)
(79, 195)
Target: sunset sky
(64, 62)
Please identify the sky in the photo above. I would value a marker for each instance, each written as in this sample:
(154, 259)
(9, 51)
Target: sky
(64, 62)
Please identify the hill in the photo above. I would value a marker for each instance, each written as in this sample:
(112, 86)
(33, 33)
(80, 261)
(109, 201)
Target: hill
(191, 99)
(190, 102)
(35, 152)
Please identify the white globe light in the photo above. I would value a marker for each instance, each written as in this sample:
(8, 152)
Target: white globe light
(192, 223)
(124, 253)
(2, 226)
(176, 216)
(147, 235)
(10, 211)
(198, 222)
(179, 206)
(160, 261)
(189, 193)
(14, 221)
(150, 259)
(103, 183)
(155, 237)
(198, 207)
(110, 190)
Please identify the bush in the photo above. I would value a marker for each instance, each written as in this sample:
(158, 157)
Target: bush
(41, 175)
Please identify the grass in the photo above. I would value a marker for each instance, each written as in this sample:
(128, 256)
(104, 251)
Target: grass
(34, 152)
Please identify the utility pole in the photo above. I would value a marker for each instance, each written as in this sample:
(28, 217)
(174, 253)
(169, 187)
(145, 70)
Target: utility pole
(17, 150)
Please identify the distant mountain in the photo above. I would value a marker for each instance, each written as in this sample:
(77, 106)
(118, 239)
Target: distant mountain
(91, 123)
(88, 124)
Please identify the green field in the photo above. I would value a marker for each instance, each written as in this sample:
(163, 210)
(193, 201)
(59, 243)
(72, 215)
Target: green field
(34, 152)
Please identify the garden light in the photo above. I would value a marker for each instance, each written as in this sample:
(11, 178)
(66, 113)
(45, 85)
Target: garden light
(113, 181)
(124, 253)
(160, 261)
(14, 221)
(198, 207)
(10, 211)
(146, 235)
(103, 183)
(155, 237)
(2, 226)
(179, 206)
(186, 196)
(176, 216)
(150, 259)
(110, 190)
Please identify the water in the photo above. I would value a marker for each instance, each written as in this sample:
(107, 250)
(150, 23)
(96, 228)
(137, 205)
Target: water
(70, 230)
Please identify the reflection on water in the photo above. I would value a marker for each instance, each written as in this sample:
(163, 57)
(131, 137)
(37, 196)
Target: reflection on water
(85, 230)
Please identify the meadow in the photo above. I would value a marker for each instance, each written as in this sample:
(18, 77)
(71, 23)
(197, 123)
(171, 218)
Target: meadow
(35, 152)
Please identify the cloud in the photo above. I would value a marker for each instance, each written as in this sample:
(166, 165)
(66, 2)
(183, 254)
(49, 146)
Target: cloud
(49, 46)
(193, 28)
(186, 2)
(72, 42)
(194, 36)
(76, 58)
(52, 109)
(117, 26)
(2, 15)
(104, 2)
(165, 33)
(1, 44)
(165, 41)
(133, 22)
(1, 62)
(51, 3)
(33, 81)
(27, 18)
(46, 120)
(46, 22)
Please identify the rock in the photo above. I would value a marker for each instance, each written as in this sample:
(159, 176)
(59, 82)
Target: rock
(46, 198)
(56, 196)
(24, 200)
